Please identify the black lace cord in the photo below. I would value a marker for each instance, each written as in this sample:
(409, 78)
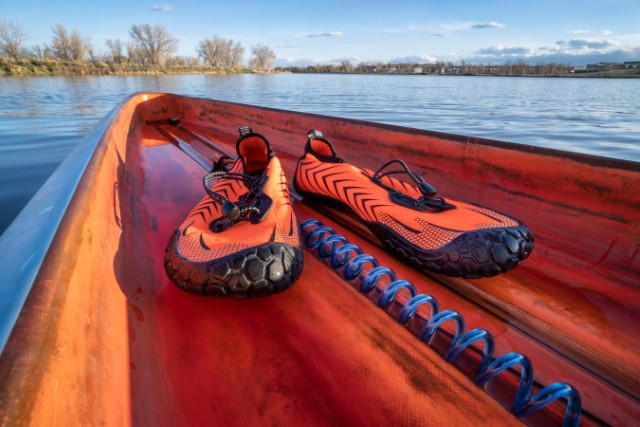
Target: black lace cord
(405, 168)
(246, 204)
(378, 175)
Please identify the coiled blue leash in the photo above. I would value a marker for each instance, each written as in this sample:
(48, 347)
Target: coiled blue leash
(350, 260)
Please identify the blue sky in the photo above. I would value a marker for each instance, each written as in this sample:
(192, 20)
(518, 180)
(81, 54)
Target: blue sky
(300, 32)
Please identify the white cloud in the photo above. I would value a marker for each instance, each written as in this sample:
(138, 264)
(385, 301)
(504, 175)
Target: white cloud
(453, 26)
(628, 39)
(485, 25)
(421, 58)
(586, 44)
(409, 27)
(502, 51)
(599, 33)
(576, 32)
(567, 57)
(290, 62)
(161, 7)
(303, 62)
(327, 34)
(577, 51)
(442, 28)
(564, 47)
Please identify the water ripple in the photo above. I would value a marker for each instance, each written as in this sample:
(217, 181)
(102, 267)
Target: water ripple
(42, 119)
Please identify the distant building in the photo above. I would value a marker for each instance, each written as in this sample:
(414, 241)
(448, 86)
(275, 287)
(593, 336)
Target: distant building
(417, 70)
(631, 64)
(605, 66)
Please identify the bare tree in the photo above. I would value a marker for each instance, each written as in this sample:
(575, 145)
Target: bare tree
(220, 53)
(476, 69)
(236, 52)
(507, 68)
(69, 47)
(60, 42)
(462, 67)
(155, 42)
(346, 66)
(192, 61)
(36, 51)
(94, 55)
(134, 54)
(176, 61)
(115, 51)
(262, 58)
(213, 50)
(520, 68)
(80, 47)
(11, 37)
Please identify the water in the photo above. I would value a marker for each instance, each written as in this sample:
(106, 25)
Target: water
(42, 119)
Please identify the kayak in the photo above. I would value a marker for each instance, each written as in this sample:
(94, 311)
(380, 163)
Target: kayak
(93, 332)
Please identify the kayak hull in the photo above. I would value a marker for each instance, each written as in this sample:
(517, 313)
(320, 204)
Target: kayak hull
(103, 326)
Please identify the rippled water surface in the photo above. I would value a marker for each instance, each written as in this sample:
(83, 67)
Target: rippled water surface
(42, 119)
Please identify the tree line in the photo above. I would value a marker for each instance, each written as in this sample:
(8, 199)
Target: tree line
(517, 68)
(153, 47)
(147, 46)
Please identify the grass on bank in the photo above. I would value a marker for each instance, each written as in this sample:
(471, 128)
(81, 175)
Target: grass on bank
(54, 67)
(630, 73)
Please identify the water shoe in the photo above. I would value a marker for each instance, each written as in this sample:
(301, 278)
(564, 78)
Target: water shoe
(409, 217)
(243, 238)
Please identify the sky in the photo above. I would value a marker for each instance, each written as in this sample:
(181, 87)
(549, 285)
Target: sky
(329, 31)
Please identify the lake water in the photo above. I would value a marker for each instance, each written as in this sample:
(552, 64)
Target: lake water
(42, 119)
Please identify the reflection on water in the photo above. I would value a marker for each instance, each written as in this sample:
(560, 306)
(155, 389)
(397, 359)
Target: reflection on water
(42, 119)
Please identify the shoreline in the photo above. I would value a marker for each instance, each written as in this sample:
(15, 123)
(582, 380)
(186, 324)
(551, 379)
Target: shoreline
(172, 72)
(50, 68)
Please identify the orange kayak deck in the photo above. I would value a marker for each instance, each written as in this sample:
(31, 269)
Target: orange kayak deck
(104, 338)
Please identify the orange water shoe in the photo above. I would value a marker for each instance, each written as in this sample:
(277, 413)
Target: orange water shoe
(412, 220)
(242, 239)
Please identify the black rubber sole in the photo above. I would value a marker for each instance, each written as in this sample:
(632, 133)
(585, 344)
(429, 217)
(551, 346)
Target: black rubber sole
(472, 255)
(259, 271)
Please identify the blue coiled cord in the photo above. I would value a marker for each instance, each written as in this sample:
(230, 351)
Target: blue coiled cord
(350, 260)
